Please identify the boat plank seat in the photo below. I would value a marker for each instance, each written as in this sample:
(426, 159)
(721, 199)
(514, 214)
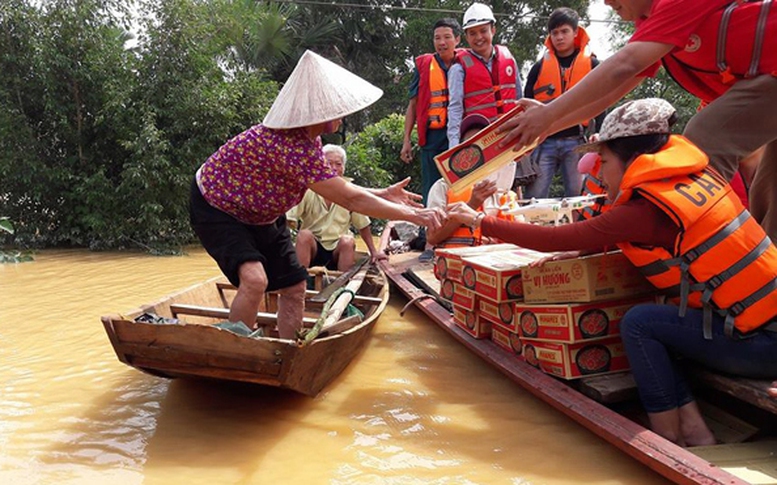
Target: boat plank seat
(223, 313)
(308, 294)
(620, 387)
(609, 388)
(753, 391)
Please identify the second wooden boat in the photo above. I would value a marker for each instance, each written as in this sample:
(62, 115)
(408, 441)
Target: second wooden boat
(176, 337)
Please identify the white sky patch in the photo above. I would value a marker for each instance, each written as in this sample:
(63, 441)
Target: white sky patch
(600, 31)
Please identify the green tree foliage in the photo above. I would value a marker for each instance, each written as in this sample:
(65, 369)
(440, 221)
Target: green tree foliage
(99, 142)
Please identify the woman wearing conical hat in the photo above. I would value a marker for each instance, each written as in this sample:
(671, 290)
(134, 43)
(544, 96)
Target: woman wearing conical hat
(241, 193)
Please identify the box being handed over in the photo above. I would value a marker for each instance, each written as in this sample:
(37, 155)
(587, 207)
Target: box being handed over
(475, 159)
(589, 278)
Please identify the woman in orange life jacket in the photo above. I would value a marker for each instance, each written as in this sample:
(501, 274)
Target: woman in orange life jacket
(482, 196)
(678, 221)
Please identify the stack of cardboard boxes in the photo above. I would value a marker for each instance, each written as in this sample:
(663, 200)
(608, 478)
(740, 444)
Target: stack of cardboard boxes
(563, 316)
(569, 321)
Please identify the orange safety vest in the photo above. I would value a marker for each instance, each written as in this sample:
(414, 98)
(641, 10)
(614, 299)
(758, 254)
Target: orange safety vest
(738, 41)
(489, 93)
(432, 104)
(593, 185)
(550, 83)
(722, 260)
(463, 235)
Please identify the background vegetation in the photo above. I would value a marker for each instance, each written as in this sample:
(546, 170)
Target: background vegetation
(107, 107)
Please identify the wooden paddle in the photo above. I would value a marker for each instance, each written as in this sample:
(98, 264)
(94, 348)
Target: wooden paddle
(335, 310)
(324, 294)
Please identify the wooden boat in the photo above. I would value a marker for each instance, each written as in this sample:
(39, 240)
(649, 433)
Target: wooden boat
(606, 404)
(189, 345)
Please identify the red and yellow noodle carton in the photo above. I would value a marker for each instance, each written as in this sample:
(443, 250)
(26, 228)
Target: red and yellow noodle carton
(573, 322)
(458, 294)
(448, 260)
(478, 157)
(507, 340)
(498, 276)
(590, 278)
(581, 359)
(471, 322)
(501, 314)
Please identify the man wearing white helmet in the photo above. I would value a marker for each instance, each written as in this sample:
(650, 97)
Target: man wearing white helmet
(485, 78)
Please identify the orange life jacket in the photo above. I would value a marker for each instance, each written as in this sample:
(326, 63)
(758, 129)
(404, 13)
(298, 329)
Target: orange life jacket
(489, 93)
(593, 185)
(736, 42)
(463, 235)
(722, 260)
(550, 83)
(432, 104)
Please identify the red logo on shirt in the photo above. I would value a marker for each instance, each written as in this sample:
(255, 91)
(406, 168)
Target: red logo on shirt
(693, 44)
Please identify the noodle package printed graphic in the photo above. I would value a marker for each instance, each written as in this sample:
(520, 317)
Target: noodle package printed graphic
(507, 340)
(478, 157)
(582, 359)
(573, 322)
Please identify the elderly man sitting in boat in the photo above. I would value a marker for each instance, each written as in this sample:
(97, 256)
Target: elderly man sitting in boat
(324, 237)
(240, 195)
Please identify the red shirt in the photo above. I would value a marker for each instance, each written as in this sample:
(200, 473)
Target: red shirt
(691, 26)
(637, 221)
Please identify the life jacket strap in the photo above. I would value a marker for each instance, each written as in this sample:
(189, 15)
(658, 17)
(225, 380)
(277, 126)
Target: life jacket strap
(707, 322)
(717, 280)
(720, 53)
(759, 38)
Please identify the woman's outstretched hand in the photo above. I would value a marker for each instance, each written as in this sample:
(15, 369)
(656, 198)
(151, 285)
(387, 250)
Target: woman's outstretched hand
(462, 213)
(396, 193)
(432, 218)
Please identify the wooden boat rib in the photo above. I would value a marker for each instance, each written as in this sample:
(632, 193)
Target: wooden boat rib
(195, 348)
(673, 462)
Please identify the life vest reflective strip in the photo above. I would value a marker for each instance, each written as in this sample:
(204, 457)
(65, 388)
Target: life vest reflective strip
(593, 185)
(722, 260)
(432, 104)
(463, 235)
(489, 93)
(738, 41)
(550, 84)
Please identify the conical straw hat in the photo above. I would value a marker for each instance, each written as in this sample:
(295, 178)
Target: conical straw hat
(317, 91)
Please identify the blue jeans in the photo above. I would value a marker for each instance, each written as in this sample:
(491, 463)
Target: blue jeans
(552, 154)
(654, 335)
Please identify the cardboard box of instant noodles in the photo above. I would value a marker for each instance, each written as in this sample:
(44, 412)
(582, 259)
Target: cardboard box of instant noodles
(476, 158)
(471, 322)
(448, 262)
(590, 278)
(498, 276)
(573, 322)
(582, 359)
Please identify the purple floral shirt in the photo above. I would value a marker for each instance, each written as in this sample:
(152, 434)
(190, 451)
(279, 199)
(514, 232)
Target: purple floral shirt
(261, 173)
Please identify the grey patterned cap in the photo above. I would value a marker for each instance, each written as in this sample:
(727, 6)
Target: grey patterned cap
(648, 116)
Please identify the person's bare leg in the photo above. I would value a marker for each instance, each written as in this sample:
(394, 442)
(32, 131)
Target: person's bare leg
(345, 252)
(306, 247)
(667, 424)
(253, 283)
(291, 306)
(693, 428)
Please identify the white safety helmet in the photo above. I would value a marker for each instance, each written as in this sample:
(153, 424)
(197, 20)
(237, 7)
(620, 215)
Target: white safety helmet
(478, 14)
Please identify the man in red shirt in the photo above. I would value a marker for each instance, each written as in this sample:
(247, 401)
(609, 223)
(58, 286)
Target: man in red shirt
(736, 74)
